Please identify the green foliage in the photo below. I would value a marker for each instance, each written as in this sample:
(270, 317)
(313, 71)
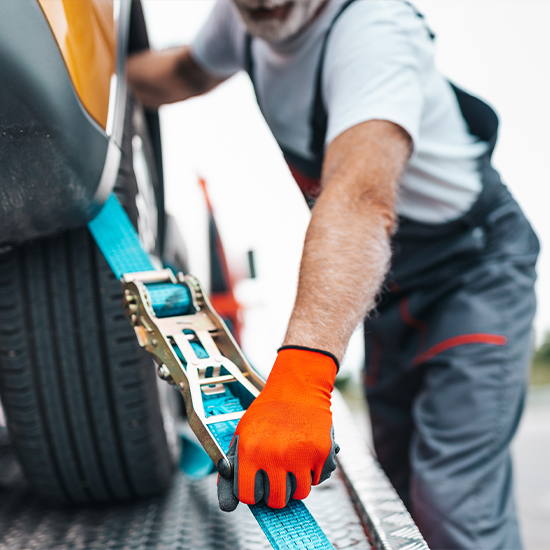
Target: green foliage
(540, 373)
(542, 355)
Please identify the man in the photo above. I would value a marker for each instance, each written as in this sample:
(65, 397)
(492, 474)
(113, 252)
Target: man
(407, 216)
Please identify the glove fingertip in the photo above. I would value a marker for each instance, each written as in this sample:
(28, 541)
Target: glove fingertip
(228, 506)
(227, 499)
(261, 482)
(291, 485)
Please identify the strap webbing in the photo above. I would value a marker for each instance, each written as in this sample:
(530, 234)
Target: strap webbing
(291, 528)
(119, 243)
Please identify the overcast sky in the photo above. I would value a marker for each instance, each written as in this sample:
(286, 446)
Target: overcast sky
(498, 49)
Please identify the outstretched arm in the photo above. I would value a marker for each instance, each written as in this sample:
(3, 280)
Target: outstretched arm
(167, 76)
(284, 443)
(347, 247)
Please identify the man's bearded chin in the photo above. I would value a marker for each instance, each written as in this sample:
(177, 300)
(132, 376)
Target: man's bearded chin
(276, 20)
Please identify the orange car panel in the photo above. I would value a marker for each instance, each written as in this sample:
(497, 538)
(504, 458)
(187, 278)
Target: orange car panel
(86, 34)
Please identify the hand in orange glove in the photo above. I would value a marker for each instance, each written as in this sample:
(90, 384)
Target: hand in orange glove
(284, 442)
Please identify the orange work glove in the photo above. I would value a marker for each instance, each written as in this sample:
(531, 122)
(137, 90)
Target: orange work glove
(284, 442)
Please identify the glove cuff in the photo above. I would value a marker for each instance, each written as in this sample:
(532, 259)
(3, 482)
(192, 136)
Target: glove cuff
(323, 352)
(301, 374)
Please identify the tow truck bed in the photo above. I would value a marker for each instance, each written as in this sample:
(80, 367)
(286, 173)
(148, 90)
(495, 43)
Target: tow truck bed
(356, 508)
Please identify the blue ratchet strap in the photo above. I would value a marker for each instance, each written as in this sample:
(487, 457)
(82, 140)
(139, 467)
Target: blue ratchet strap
(118, 241)
(292, 527)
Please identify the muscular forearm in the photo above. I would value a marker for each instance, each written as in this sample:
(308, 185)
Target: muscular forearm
(347, 247)
(167, 76)
(346, 254)
(345, 258)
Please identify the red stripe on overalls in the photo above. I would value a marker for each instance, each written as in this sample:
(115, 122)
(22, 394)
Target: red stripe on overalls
(444, 345)
(455, 341)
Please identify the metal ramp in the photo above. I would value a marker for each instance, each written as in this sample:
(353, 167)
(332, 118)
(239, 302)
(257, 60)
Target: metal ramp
(355, 505)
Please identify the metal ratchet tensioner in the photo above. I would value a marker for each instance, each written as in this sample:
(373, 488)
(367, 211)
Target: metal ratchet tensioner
(170, 340)
(195, 351)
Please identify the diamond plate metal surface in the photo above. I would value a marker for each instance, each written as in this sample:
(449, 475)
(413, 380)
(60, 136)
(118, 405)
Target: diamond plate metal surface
(384, 515)
(357, 499)
(186, 518)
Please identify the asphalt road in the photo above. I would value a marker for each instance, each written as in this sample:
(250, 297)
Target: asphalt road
(531, 451)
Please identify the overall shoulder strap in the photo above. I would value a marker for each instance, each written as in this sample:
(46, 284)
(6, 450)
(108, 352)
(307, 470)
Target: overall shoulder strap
(319, 116)
(481, 119)
(248, 61)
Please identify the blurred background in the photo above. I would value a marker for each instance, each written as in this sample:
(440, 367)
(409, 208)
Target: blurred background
(497, 49)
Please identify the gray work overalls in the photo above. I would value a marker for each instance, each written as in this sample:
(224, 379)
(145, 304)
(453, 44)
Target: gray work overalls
(447, 349)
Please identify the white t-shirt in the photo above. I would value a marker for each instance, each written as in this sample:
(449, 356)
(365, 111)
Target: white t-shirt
(379, 64)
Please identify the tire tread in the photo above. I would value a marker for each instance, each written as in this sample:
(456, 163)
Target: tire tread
(79, 394)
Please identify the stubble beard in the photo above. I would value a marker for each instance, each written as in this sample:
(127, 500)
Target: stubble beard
(294, 15)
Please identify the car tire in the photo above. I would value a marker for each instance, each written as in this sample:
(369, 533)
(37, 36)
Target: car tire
(79, 394)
